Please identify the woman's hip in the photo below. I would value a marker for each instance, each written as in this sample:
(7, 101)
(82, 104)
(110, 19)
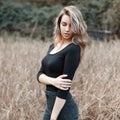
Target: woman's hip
(68, 112)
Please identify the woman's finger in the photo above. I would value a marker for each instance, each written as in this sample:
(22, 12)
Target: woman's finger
(64, 88)
(67, 80)
(63, 76)
(65, 85)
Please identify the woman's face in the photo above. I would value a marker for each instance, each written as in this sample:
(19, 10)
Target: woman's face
(65, 28)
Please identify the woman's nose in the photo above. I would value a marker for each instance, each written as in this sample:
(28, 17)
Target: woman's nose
(67, 28)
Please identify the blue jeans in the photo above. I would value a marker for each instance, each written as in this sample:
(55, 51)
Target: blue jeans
(68, 112)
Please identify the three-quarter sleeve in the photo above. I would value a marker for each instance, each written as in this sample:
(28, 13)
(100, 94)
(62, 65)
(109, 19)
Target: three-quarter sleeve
(39, 73)
(72, 59)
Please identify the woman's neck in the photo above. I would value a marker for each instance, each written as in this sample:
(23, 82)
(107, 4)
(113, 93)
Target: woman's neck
(65, 41)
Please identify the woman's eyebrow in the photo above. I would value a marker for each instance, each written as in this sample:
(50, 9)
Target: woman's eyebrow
(63, 22)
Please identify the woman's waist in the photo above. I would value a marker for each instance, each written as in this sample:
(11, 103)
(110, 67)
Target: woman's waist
(51, 92)
(54, 93)
(51, 88)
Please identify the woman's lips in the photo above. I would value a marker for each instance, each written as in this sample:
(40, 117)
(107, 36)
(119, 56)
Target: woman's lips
(66, 34)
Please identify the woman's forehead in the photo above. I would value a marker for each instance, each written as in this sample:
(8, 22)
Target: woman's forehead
(66, 18)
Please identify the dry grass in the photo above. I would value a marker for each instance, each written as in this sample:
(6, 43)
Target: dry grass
(96, 85)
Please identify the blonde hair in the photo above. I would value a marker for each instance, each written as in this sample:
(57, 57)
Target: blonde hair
(78, 26)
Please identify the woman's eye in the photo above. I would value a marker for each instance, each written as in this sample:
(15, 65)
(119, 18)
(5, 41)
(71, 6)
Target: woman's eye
(64, 24)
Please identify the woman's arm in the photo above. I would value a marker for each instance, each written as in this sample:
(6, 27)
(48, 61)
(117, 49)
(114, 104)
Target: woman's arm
(58, 82)
(59, 103)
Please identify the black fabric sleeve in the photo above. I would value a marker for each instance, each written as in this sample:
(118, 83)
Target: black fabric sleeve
(41, 71)
(71, 63)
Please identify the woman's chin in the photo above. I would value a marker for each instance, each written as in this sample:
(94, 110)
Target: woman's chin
(66, 38)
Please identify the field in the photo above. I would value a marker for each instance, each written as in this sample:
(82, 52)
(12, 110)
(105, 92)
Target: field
(96, 84)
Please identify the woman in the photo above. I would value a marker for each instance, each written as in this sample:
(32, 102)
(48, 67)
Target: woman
(60, 63)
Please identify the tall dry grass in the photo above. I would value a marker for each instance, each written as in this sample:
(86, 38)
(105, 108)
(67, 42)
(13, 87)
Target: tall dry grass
(96, 85)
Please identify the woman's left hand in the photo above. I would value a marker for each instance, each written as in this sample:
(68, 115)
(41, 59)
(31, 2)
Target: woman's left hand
(61, 82)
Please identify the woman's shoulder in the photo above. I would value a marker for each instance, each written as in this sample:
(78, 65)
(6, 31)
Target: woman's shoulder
(74, 47)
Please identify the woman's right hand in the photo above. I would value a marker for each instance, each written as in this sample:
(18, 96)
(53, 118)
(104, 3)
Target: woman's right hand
(62, 83)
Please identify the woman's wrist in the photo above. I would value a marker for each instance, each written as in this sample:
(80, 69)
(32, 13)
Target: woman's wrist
(52, 81)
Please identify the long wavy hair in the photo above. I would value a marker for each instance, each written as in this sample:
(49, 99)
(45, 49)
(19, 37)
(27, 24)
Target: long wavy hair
(78, 26)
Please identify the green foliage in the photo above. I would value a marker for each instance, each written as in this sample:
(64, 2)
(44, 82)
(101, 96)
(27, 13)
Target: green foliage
(101, 14)
(13, 16)
(90, 11)
(18, 17)
(98, 14)
(111, 17)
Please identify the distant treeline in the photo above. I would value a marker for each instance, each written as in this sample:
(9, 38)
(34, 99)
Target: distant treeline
(37, 17)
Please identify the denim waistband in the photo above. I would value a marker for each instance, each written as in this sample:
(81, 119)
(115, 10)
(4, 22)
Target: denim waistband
(50, 92)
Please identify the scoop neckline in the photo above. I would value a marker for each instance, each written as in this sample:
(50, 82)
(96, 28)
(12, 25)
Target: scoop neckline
(60, 50)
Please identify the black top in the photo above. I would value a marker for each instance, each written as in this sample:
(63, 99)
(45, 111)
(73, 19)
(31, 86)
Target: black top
(65, 61)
